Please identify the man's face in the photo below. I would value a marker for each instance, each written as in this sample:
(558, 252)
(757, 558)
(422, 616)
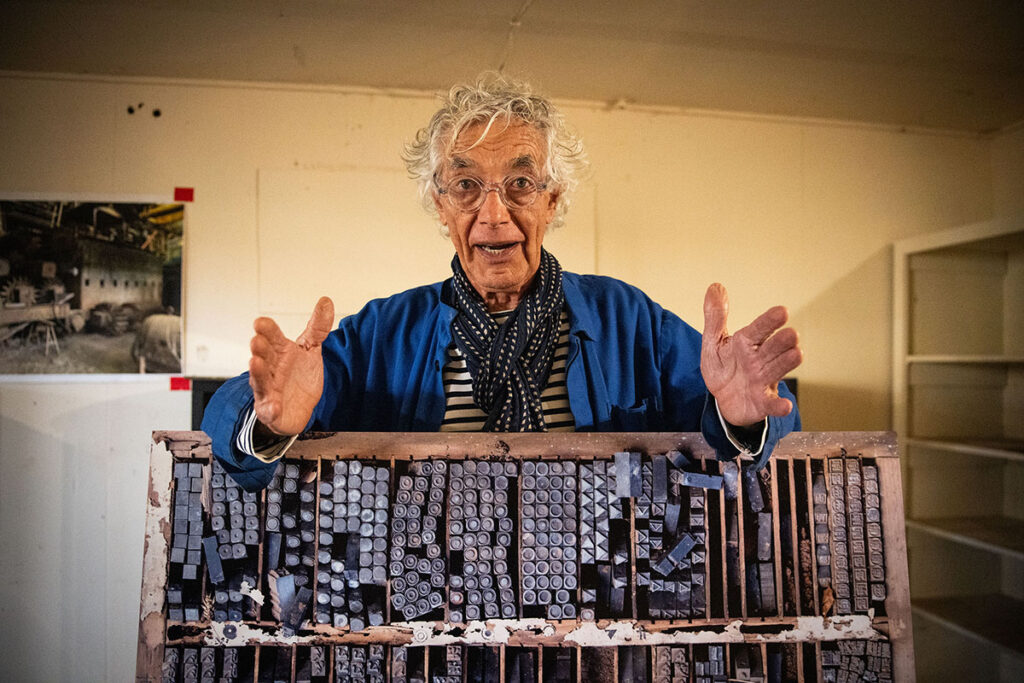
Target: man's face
(499, 249)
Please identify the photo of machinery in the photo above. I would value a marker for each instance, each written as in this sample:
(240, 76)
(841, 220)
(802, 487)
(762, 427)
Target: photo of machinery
(90, 287)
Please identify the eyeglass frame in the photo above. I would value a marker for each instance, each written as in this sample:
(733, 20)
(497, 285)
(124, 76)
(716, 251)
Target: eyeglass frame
(487, 188)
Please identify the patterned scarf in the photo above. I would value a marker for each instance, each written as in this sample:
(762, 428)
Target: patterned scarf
(510, 363)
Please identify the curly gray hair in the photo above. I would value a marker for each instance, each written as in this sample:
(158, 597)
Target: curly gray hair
(491, 98)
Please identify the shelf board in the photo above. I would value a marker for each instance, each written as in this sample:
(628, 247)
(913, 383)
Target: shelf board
(1001, 535)
(1007, 449)
(994, 619)
(966, 359)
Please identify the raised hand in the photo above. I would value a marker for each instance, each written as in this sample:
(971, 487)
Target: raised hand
(287, 377)
(743, 370)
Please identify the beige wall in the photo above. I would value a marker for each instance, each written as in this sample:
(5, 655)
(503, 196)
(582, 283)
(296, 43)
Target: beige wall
(800, 213)
(299, 191)
(782, 212)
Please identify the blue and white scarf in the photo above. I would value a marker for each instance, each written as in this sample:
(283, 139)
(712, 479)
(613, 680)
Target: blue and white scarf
(510, 363)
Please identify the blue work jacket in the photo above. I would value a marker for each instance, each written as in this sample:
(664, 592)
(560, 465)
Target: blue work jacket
(632, 366)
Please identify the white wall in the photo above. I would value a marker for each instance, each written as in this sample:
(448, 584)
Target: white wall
(793, 212)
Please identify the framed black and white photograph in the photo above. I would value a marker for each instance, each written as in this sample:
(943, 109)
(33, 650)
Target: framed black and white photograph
(90, 287)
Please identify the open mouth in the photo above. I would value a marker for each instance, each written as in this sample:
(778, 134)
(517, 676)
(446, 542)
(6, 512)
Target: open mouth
(496, 249)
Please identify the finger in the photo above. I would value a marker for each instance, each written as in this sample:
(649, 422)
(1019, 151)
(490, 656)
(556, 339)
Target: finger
(260, 377)
(268, 328)
(778, 406)
(782, 365)
(779, 343)
(716, 312)
(268, 357)
(320, 324)
(260, 346)
(766, 323)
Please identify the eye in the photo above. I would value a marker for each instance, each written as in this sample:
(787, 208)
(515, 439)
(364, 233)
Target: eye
(464, 185)
(521, 183)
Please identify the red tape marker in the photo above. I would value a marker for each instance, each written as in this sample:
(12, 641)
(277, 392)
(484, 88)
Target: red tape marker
(181, 384)
(184, 194)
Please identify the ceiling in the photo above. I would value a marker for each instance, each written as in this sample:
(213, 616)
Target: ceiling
(918, 63)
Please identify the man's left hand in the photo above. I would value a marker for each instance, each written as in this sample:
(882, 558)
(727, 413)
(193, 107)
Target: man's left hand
(743, 370)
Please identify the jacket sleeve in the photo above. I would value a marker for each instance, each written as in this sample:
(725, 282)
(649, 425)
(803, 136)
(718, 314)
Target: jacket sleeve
(222, 419)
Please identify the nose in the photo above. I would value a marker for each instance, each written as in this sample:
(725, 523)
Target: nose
(493, 211)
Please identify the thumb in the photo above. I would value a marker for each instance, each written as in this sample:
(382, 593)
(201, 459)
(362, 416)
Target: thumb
(716, 312)
(320, 324)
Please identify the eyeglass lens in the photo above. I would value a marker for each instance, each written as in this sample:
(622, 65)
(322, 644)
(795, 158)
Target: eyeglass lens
(469, 193)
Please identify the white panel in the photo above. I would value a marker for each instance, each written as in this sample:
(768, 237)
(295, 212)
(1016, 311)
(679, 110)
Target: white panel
(934, 574)
(1008, 172)
(1013, 404)
(944, 287)
(74, 464)
(941, 654)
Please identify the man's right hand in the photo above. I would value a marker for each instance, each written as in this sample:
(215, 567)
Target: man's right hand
(287, 377)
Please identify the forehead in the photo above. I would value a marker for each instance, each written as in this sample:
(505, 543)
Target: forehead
(504, 147)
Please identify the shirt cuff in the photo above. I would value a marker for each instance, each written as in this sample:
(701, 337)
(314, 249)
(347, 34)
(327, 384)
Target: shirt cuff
(266, 452)
(742, 448)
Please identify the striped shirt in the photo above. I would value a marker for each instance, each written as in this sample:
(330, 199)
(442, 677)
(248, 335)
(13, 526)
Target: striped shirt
(462, 414)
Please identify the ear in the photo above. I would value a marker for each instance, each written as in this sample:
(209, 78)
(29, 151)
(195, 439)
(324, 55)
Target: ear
(553, 197)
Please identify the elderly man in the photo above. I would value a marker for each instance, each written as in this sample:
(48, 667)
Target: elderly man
(509, 342)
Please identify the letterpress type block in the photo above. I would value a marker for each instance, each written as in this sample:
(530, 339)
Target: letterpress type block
(764, 536)
(213, 565)
(659, 486)
(704, 481)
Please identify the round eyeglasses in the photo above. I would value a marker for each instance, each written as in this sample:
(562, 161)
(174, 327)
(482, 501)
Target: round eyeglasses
(468, 194)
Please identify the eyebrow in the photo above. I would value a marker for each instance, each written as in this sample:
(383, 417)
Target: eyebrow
(523, 161)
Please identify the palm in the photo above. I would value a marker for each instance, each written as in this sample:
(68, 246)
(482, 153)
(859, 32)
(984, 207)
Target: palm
(743, 370)
(287, 377)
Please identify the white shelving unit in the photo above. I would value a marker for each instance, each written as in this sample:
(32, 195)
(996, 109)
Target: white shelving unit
(958, 407)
